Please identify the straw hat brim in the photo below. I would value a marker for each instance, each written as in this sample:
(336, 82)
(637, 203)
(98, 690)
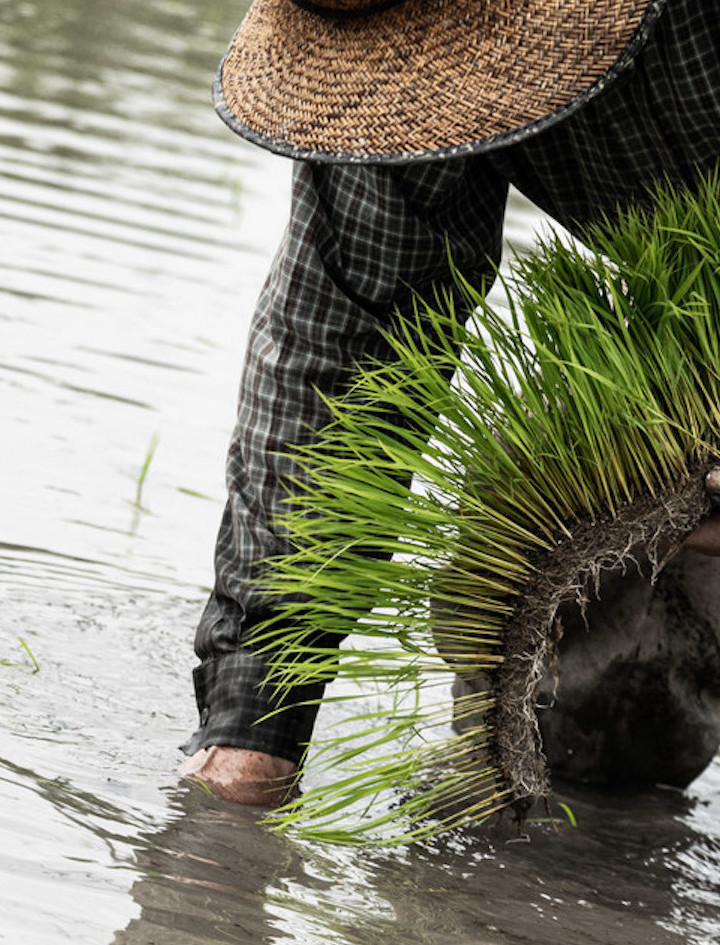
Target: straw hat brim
(424, 78)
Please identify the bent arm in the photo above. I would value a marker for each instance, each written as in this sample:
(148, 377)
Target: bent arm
(360, 239)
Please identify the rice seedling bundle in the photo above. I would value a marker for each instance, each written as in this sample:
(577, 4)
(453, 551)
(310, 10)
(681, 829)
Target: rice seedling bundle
(488, 475)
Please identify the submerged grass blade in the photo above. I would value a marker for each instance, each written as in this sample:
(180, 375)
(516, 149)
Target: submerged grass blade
(33, 661)
(143, 473)
(30, 653)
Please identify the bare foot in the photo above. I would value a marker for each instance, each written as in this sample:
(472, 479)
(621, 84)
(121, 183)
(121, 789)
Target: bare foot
(706, 537)
(241, 775)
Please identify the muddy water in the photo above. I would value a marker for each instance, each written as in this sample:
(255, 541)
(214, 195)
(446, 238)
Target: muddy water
(134, 234)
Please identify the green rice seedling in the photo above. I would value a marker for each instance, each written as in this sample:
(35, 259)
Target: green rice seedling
(572, 820)
(464, 492)
(194, 494)
(142, 474)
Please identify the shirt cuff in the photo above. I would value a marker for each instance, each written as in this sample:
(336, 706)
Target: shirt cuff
(234, 701)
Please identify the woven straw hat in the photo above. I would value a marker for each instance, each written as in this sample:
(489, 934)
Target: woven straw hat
(397, 80)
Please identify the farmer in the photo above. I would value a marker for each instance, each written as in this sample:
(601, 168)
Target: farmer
(408, 120)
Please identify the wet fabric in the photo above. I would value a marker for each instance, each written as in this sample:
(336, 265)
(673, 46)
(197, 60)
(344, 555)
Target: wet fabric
(358, 239)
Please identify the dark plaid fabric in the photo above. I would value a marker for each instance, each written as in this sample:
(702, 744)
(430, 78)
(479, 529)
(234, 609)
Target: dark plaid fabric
(357, 238)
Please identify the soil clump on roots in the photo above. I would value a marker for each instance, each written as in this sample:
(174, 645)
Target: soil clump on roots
(646, 533)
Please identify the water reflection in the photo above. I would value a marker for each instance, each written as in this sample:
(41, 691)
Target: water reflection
(127, 275)
(214, 875)
(65, 861)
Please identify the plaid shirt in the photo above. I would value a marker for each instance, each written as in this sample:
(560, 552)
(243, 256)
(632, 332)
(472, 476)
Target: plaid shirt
(357, 237)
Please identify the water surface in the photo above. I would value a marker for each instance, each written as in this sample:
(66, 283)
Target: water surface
(135, 234)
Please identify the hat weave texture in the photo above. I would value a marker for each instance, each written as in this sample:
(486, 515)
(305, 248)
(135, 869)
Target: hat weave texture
(419, 78)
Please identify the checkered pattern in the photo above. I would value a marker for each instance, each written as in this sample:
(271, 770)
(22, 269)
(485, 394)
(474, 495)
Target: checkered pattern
(357, 238)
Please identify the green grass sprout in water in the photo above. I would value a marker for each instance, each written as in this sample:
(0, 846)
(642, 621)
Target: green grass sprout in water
(143, 473)
(572, 432)
(33, 660)
(572, 820)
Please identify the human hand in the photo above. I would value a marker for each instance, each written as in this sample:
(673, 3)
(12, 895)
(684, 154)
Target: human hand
(241, 775)
(706, 537)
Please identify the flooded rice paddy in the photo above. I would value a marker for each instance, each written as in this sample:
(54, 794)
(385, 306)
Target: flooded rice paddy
(135, 232)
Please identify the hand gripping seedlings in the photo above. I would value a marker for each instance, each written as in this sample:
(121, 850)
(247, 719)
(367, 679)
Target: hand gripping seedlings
(501, 472)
